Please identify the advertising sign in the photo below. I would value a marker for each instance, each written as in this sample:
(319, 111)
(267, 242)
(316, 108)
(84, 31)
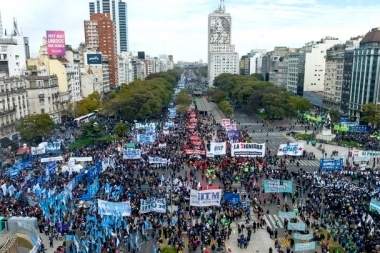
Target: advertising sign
(114, 208)
(293, 149)
(218, 148)
(374, 205)
(331, 164)
(297, 226)
(157, 160)
(153, 205)
(131, 154)
(278, 186)
(303, 237)
(359, 129)
(205, 198)
(304, 246)
(55, 43)
(248, 149)
(94, 59)
(288, 215)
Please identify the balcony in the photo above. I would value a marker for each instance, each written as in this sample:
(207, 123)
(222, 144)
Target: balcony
(4, 112)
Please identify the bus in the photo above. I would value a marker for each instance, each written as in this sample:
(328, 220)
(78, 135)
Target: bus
(84, 119)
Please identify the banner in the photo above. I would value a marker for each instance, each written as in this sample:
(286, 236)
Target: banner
(53, 147)
(374, 205)
(372, 154)
(82, 159)
(296, 226)
(226, 122)
(304, 246)
(331, 164)
(132, 154)
(303, 237)
(142, 138)
(117, 209)
(162, 145)
(195, 152)
(93, 188)
(37, 150)
(50, 167)
(233, 198)
(248, 149)
(145, 125)
(293, 149)
(153, 205)
(230, 127)
(359, 129)
(157, 160)
(287, 215)
(278, 186)
(51, 159)
(169, 124)
(205, 198)
(233, 134)
(218, 148)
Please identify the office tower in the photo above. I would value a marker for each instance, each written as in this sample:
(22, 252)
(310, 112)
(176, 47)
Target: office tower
(100, 36)
(222, 57)
(119, 15)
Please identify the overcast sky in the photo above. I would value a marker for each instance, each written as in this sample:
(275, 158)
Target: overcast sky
(179, 27)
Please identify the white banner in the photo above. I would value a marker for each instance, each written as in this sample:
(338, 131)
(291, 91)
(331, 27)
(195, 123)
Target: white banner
(230, 127)
(145, 125)
(293, 149)
(156, 160)
(131, 153)
(51, 159)
(205, 198)
(218, 148)
(38, 150)
(116, 209)
(226, 122)
(162, 145)
(82, 159)
(248, 149)
(153, 205)
(144, 138)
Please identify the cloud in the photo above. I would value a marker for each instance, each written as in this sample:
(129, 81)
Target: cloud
(179, 27)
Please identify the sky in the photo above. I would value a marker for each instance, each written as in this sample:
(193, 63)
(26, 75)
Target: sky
(179, 27)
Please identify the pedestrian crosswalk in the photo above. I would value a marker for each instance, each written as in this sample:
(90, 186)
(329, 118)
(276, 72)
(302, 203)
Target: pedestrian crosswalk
(271, 220)
(311, 163)
(265, 134)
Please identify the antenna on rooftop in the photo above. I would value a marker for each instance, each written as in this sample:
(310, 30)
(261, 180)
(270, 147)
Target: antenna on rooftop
(221, 6)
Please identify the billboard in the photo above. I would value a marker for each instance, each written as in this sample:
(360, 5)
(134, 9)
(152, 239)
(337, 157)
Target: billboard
(94, 59)
(55, 43)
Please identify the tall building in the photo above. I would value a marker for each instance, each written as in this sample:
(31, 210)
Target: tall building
(365, 85)
(1, 27)
(296, 72)
(119, 15)
(252, 62)
(100, 36)
(222, 57)
(333, 80)
(347, 72)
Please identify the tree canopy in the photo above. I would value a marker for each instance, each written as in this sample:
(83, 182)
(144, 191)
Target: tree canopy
(85, 106)
(34, 127)
(140, 100)
(254, 94)
(371, 114)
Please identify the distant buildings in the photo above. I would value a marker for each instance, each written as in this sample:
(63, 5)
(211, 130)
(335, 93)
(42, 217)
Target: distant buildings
(222, 57)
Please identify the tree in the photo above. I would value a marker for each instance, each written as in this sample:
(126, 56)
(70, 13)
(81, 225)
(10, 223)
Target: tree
(218, 96)
(203, 71)
(183, 98)
(120, 129)
(226, 107)
(35, 126)
(258, 76)
(182, 109)
(371, 114)
(85, 106)
(301, 104)
(91, 131)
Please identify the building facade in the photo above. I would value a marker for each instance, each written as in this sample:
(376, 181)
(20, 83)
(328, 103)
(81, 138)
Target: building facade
(252, 62)
(100, 37)
(333, 79)
(315, 63)
(43, 95)
(13, 55)
(296, 72)
(365, 84)
(13, 105)
(119, 15)
(222, 57)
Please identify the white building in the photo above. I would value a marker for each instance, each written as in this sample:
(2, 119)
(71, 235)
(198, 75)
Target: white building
(222, 57)
(315, 63)
(43, 95)
(13, 56)
(13, 105)
(125, 74)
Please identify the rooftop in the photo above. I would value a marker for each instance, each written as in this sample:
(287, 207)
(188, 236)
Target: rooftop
(371, 36)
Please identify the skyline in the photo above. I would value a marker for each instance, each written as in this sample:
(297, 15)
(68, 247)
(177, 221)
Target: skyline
(183, 32)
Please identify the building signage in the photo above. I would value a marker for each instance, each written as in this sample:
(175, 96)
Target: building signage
(205, 198)
(293, 149)
(55, 43)
(248, 149)
(94, 59)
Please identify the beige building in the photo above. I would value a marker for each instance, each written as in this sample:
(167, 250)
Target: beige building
(43, 95)
(13, 105)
